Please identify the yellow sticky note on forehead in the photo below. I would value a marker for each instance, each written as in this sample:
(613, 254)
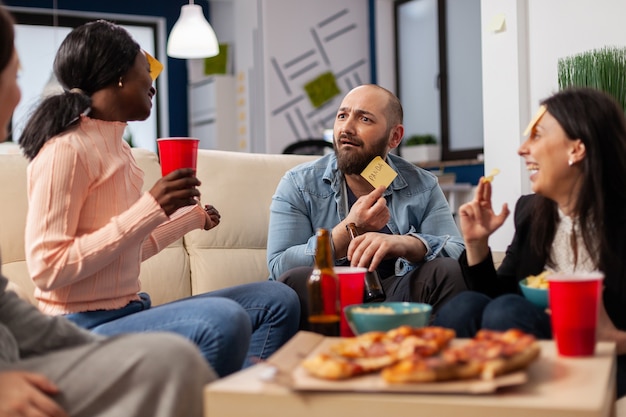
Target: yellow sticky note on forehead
(378, 173)
(533, 122)
(155, 66)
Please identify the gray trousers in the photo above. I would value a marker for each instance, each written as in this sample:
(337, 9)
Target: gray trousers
(148, 374)
(435, 282)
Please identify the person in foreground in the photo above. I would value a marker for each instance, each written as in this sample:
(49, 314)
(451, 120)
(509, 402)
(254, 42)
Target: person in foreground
(50, 367)
(89, 226)
(575, 221)
(407, 232)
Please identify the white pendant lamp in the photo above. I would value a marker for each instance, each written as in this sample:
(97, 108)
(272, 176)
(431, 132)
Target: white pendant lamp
(192, 36)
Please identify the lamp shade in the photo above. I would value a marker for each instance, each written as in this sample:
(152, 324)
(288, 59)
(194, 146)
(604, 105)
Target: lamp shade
(192, 36)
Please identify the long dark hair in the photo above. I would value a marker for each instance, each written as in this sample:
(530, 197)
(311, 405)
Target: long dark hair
(93, 56)
(598, 121)
(7, 38)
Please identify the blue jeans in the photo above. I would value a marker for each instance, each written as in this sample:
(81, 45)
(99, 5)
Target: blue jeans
(232, 327)
(471, 311)
(435, 282)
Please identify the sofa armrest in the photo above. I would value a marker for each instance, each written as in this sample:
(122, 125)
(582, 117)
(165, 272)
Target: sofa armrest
(497, 256)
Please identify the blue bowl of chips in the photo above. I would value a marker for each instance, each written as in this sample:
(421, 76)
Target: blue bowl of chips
(363, 318)
(536, 293)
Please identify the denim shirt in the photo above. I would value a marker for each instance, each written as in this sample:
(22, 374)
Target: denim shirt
(313, 195)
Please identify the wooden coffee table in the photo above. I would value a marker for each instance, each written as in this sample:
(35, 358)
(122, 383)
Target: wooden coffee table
(556, 386)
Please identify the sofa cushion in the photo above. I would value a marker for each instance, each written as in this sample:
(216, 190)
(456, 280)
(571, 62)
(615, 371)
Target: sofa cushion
(13, 215)
(240, 186)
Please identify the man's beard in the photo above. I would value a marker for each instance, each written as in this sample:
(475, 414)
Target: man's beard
(355, 160)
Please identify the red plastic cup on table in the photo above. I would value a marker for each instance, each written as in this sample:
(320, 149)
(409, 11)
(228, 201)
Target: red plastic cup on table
(351, 282)
(176, 153)
(574, 302)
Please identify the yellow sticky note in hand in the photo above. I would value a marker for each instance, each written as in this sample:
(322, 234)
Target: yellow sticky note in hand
(155, 66)
(533, 122)
(378, 173)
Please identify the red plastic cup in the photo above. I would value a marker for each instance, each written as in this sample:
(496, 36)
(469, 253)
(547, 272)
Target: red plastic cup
(574, 309)
(176, 153)
(351, 282)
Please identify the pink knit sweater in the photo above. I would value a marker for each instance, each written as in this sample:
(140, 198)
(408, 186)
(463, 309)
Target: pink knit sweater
(89, 225)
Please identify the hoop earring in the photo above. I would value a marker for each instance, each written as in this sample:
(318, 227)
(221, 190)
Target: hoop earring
(119, 83)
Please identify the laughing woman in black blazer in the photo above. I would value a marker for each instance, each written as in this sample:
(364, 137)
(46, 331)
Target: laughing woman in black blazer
(574, 221)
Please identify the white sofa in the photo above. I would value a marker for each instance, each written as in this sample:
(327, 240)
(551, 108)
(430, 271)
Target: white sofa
(240, 185)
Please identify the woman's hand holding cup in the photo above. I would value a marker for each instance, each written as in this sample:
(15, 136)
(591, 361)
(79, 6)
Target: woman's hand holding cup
(177, 189)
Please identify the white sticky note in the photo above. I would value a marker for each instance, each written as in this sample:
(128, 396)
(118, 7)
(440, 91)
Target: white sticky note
(497, 23)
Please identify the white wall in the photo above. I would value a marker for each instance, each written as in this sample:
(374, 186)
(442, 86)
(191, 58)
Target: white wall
(520, 69)
(560, 28)
(505, 103)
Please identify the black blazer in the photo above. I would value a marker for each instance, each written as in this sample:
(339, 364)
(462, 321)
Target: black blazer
(520, 262)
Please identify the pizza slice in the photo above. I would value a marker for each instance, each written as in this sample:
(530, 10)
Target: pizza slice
(401, 342)
(487, 355)
(327, 366)
(431, 369)
(374, 351)
(504, 352)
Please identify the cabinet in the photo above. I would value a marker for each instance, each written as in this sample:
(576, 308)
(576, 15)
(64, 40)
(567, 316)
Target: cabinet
(211, 112)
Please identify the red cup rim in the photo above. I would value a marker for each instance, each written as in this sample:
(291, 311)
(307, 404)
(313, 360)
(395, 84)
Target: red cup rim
(162, 139)
(349, 269)
(576, 276)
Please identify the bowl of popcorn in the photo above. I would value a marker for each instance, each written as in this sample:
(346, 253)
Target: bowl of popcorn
(535, 289)
(384, 316)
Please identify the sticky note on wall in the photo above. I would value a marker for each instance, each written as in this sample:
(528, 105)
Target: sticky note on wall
(497, 23)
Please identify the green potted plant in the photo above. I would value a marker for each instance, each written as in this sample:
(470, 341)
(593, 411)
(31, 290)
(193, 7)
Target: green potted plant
(603, 69)
(420, 148)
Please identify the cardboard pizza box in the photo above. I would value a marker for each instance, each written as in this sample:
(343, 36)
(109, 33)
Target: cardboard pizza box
(551, 386)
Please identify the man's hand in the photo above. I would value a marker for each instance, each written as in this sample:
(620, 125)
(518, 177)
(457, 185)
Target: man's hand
(177, 189)
(27, 394)
(370, 212)
(370, 249)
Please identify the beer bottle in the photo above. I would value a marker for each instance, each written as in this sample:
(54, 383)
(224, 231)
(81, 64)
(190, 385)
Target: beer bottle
(372, 289)
(323, 289)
